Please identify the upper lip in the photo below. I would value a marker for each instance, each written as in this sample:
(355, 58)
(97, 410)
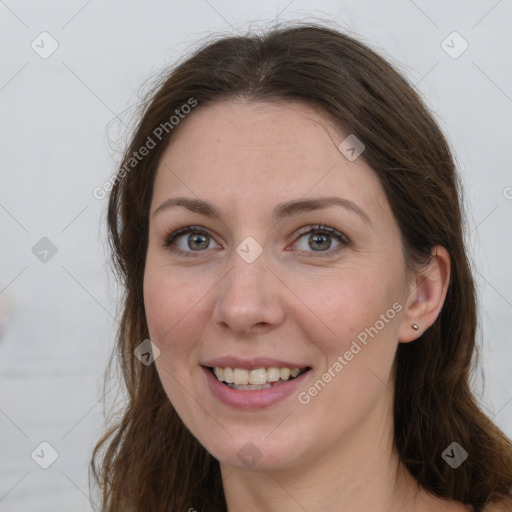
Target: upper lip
(258, 362)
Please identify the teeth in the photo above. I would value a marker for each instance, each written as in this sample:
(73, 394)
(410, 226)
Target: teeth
(273, 374)
(249, 387)
(241, 376)
(257, 378)
(284, 373)
(228, 375)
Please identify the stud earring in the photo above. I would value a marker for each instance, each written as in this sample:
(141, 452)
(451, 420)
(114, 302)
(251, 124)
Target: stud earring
(415, 327)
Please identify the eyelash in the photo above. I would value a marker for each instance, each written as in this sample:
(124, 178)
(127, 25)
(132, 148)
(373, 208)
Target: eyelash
(306, 230)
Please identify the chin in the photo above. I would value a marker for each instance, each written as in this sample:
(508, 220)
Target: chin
(256, 455)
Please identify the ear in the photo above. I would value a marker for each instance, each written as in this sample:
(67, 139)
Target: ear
(426, 296)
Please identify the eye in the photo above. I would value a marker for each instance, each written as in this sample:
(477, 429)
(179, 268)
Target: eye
(320, 239)
(317, 239)
(197, 240)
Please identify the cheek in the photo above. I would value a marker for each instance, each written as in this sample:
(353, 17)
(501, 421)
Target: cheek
(170, 305)
(357, 336)
(170, 315)
(342, 305)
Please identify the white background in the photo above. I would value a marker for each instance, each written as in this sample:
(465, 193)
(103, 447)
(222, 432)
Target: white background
(58, 317)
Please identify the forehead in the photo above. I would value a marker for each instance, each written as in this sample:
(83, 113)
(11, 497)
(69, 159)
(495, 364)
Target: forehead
(254, 152)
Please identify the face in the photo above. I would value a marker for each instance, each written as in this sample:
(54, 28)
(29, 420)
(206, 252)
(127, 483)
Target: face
(257, 278)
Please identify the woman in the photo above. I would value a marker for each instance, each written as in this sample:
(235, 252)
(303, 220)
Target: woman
(287, 225)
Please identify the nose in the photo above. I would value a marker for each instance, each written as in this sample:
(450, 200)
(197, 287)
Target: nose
(249, 299)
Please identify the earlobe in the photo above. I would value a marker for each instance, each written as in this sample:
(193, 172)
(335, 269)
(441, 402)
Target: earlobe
(426, 297)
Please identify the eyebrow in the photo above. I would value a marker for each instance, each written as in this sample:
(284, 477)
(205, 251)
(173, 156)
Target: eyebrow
(281, 211)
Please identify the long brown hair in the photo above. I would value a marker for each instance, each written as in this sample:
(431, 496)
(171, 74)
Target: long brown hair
(148, 460)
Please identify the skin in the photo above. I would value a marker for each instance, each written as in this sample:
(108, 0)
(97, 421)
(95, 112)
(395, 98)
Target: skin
(292, 303)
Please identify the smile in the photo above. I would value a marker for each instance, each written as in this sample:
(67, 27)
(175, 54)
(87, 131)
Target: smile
(255, 379)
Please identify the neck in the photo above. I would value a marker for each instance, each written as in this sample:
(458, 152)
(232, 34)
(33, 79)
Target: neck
(361, 472)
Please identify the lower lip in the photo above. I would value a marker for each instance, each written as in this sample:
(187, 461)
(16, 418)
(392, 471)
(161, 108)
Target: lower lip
(242, 399)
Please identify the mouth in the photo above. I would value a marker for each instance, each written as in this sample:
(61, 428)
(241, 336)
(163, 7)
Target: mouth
(255, 379)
